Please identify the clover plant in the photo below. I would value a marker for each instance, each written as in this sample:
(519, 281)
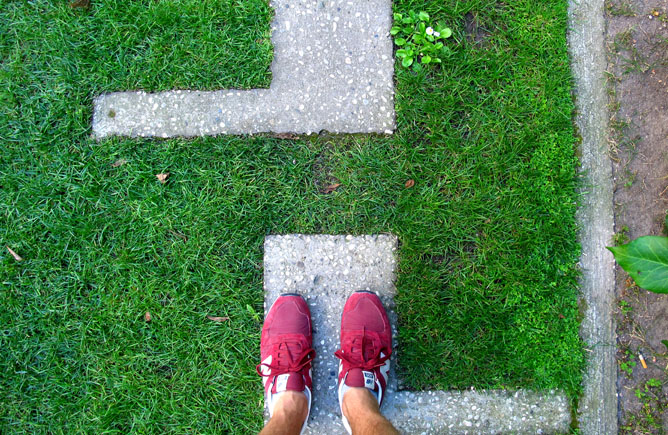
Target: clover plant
(419, 42)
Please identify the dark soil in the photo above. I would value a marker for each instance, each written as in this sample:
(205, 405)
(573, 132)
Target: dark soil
(637, 38)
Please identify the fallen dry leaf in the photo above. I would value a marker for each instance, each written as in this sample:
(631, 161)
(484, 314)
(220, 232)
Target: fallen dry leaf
(16, 256)
(179, 235)
(218, 319)
(147, 317)
(289, 136)
(119, 162)
(81, 4)
(410, 183)
(162, 177)
(331, 188)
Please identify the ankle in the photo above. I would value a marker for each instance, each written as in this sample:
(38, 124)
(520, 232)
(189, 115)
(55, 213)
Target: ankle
(292, 405)
(359, 401)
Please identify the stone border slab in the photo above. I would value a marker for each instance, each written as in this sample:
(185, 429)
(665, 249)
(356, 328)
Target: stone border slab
(333, 70)
(325, 269)
(597, 411)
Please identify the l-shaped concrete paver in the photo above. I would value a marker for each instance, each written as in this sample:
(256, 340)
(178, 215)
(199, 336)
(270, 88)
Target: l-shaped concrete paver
(333, 70)
(325, 270)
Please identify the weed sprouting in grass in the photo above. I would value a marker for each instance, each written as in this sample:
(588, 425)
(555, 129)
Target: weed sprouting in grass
(628, 364)
(625, 307)
(618, 8)
(632, 60)
(629, 178)
(419, 43)
(623, 40)
(653, 404)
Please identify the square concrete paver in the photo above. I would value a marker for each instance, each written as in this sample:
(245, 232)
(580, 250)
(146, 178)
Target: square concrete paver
(325, 270)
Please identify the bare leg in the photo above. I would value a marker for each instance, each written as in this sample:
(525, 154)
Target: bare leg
(361, 409)
(289, 414)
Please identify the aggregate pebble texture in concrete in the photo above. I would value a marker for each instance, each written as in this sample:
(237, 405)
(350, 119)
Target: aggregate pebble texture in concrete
(326, 269)
(332, 71)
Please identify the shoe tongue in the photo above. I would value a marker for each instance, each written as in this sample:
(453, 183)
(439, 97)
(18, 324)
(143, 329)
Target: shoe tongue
(360, 378)
(288, 382)
(364, 343)
(294, 348)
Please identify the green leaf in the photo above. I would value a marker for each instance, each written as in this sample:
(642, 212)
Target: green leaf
(646, 260)
(665, 343)
(407, 20)
(422, 27)
(653, 382)
(397, 17)
(402, 53)
(408, 61)
(426, 59)
(424, 16)
(394, 30)
(408, 30)
(438, 45)
(400, 41)
(436, 60)
(446, 33)
(252, 312)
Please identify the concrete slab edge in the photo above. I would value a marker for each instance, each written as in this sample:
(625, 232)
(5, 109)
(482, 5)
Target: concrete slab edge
(485, 411)
(597, 409)
(465, 412)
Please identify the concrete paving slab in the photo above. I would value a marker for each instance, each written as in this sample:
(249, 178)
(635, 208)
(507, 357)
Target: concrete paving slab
(597, 413)
(326, 269)
(332, 70)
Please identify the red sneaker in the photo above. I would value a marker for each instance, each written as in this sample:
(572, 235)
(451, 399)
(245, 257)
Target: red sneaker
(366, 346)
(286, 349)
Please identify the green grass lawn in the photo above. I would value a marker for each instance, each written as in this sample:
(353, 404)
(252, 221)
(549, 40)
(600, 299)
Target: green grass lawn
(487, 273)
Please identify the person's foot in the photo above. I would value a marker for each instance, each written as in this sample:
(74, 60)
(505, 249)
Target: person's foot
(286, 349)
(366, 345)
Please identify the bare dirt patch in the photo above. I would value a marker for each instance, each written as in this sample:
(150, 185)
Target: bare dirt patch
(637, 39)
(476, 33)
